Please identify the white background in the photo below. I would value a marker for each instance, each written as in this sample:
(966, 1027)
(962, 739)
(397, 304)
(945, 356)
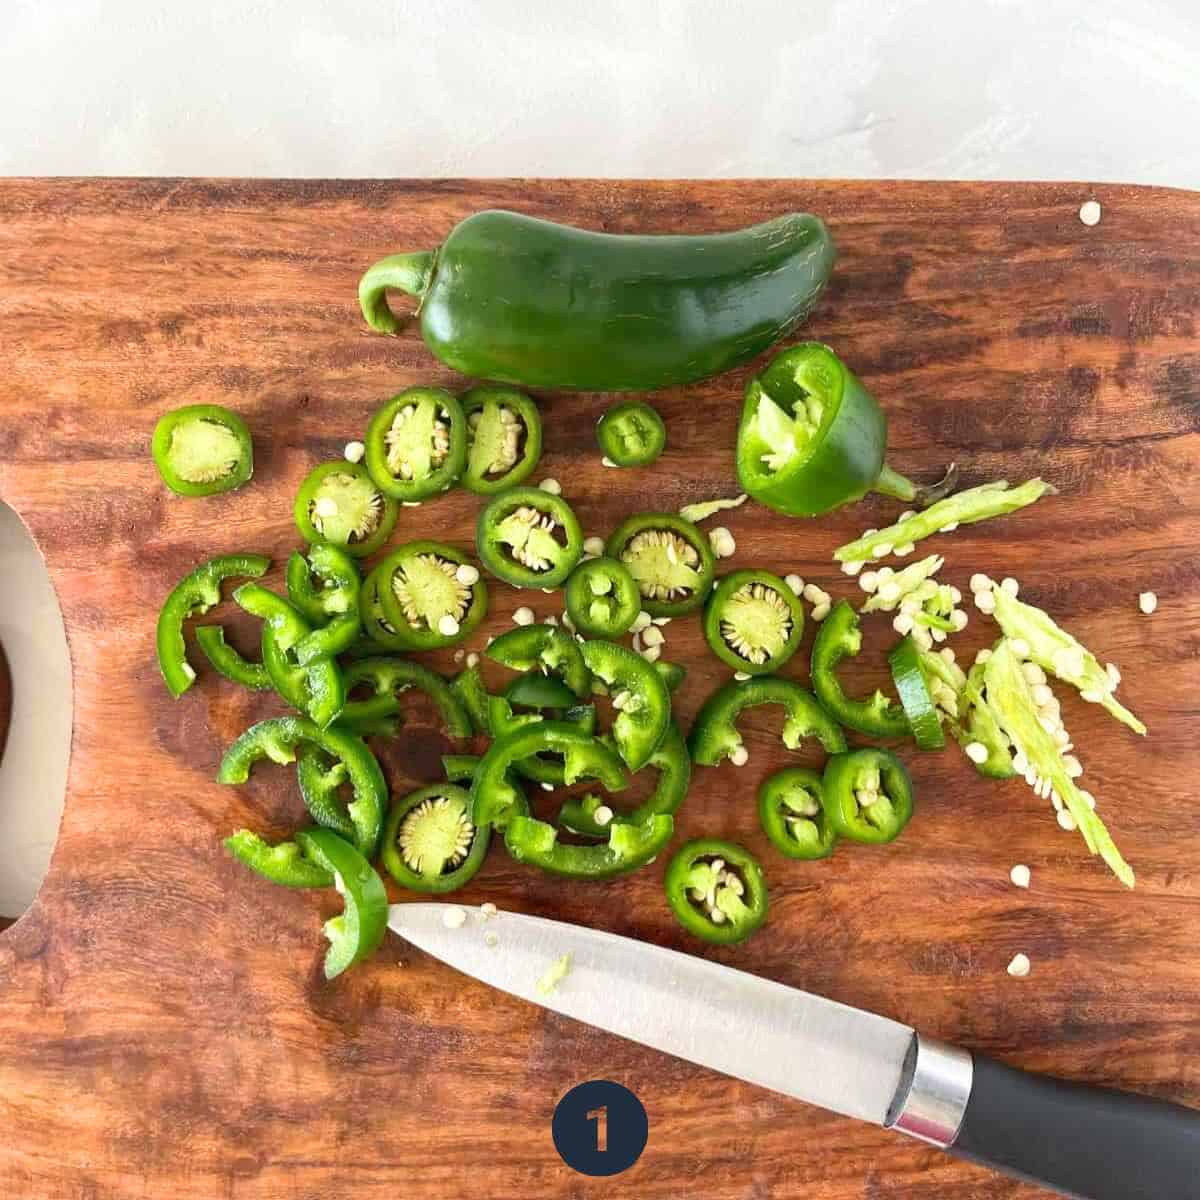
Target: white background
(1034, 89)
(1005, 89)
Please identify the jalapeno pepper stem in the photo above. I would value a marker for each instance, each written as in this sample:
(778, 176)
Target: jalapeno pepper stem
(892, 483)
(409, 273)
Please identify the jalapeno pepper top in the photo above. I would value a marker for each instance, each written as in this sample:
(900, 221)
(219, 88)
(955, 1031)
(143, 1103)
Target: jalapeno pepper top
(792, 816)
(639, 696)
(753, 621)
(603, 600)
(714, 735)
(195, 593)
(431, 594)
(812, 438)
(547, 647)
(359, 931)
(339, 502)
(867, 795)
(202, 449)
(716, 890)
(504, 439)
(417, 444)
(838, 637)
(669, 558)
(494, 796)
(628, 847)
(430, 843)
(278, 740)
(387, 678)
(284, 863)
(631, 434)
(315, 688)
(529, 538)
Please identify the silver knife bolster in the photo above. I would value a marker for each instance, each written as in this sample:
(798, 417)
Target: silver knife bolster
(934, 1089)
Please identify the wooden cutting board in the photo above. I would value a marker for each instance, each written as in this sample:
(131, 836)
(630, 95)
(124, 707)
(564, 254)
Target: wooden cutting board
(166, 1029)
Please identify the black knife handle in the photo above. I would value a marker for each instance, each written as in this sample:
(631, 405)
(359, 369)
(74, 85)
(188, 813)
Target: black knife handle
(1087, 1142)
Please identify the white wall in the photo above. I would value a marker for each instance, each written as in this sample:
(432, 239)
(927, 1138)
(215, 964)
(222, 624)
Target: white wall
(1096, 90)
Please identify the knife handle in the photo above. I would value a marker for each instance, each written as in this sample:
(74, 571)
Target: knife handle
(1088, 1142)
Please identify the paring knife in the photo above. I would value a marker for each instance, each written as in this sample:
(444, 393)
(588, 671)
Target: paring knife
(1086, 1142)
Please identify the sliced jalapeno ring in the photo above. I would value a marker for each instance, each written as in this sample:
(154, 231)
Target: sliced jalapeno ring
(628, 847)
(669, 558)
(792, 815)
(631, 434)
(753, 621)
(416, 444)
(226, 660)
(431, 594)
(603, 599)
(376, 626)
(388, 678)
(339, 502)
(839, 637)
(430, 843)
(908, 674)
(544, 767)
(284, 863)
(867, 795)
(640, 698)
(504, 438)
(468, 687)
(324, 582)
(202, 450)
(716, 890)
(548, 648)
(529, 538)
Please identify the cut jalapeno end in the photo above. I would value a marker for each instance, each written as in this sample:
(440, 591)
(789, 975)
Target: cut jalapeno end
(504, 439)
(753, 621)
(631, 434)
(716, 890)
(430, 843)
(840, 637)
(792, 814)
(431, 595)
(908, 674)
(416, 444)
(202, 450)
(529, 538)
(867, 795)
(603, 599)
(339, 502)
(669, 559)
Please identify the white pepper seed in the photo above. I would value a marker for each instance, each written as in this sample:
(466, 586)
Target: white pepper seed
(1147, 602)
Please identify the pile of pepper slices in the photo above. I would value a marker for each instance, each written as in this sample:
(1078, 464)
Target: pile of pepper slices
(811, 439)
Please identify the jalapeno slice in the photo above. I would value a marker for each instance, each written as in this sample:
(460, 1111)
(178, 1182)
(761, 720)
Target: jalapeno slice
(376, 626)
(359, 931)
(340, 503)
(628, 847)
(535, 690)
(504, 439)
(226, 660)
(321, 777)
(417, 444)
(202, 449)
(792, 814)
(388, 678)
(867, 795)
(639, 696)
(196, 593)
(840, 636)
(284, 863)
(547, 647)
(753, 621)
(908, 674)
(584, 815)
(631, 434)
(716, 890)
(669, 558)
(603, 600)
(469, 689)
(431, 595)
(430, 843)
(460, 768)
(323, 583)
(315, 688)
(529, 538)
(715, 736)
(544, 768)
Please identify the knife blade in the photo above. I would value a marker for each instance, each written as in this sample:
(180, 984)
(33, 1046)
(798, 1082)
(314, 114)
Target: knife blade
(1084, 1141)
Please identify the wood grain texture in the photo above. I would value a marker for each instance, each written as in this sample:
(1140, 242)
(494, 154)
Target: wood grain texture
(166, 1028)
